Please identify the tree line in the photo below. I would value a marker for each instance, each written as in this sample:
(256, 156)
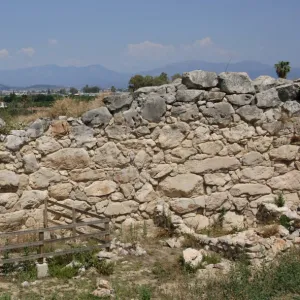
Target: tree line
(138, 81)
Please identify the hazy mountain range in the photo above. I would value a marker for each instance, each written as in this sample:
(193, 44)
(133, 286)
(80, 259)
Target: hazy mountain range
(98, 75)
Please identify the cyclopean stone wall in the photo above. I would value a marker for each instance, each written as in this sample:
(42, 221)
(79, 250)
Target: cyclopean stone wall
(200, 145)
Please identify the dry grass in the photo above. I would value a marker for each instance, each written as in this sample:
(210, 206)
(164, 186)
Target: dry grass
(65, 107)
(269, 230)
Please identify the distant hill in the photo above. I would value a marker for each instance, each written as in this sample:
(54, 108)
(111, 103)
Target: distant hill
(53, 75)
(253, 68)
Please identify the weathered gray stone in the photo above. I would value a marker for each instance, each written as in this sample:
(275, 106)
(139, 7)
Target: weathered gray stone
(60, 191)
(235, 83)
(252, 158)
(212, 165)
(161, 170)
(118, 101)
(285, 152)
(220, 114)
(182, 185)
(37, 128)
(46, 145)
(291, 107)
(185, 112)
(121, 208)
(31, 199)
(186, 205)
(12, 220)
(9, 181)
(101, 188)
(87, 174)
(82, 134)
(5, 157)
(43, 177)
(198, 222)
(238, 133)
(213, 96)
(188, 95)
(180, 154)
(240, 99)
(218, 179)
(96, 117)
(232, 221)
(201, 134)
(256, 173)
(153, 108)
(117, 132)
(8, 200)
(252, 189)
(126, 175)
(146, 194)
(110, 156)
(288, 92)
(250, 113)
(289, 181)
(199, 79)
(211, 148)
(263, 83)
(268, 98)
(172, 135)
(216, 200)
(30, 163)
(68, 159)
(141, 159)
(14, 143)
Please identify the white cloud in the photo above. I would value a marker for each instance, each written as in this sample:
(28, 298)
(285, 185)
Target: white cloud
(4, 53)
(149, 49)
(52, 42)
(205, 42)
(27, 51)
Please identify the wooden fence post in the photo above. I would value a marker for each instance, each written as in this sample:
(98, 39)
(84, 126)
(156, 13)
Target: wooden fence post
(107, 235)
(41, 247)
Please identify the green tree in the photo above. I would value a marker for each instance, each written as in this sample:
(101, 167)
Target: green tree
(176, 76)
(282, 68)
(136, 82)
(91, 89)
(73, 91)
(113, 89)
(63, 91)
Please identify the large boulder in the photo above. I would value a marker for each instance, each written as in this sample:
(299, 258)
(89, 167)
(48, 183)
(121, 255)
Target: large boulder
(187, 95)
(82, 134)
(252, 158)
(146, 194)
(209, 165)
(200, 79)
(263, 83)
(182, 185)
(218, 179)
(288, 92)
(110, 156)
(153, 108)
(291, 107)
(14, 142)
(9, 181)
(238, 133)
(97, 117)
(12, 220)
(235, 83)
(7, 201)
(68, 159)
(256, 173)
(60, 191)
(118, 101)
(250, 113)
(268, 99)
(219, 114)
(232, 221)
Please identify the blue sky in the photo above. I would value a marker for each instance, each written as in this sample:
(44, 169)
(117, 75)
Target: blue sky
(132, 35)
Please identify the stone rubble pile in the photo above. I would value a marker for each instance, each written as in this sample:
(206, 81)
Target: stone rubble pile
(202, 145)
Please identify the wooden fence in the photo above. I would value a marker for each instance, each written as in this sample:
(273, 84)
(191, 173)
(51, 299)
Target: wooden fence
(101, 235)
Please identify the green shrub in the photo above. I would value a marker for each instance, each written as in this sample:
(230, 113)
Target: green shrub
(285, 221)
(279, 201)
(211, 258)
(144, 293)
(5, 297)
(62, 272)
(104, 267)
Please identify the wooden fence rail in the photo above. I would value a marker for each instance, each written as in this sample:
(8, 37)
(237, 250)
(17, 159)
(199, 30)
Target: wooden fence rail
(102, 235)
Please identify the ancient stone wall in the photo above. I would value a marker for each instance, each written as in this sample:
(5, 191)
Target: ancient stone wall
(202, 145)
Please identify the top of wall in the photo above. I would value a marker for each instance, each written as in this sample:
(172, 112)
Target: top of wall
(200, 96)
